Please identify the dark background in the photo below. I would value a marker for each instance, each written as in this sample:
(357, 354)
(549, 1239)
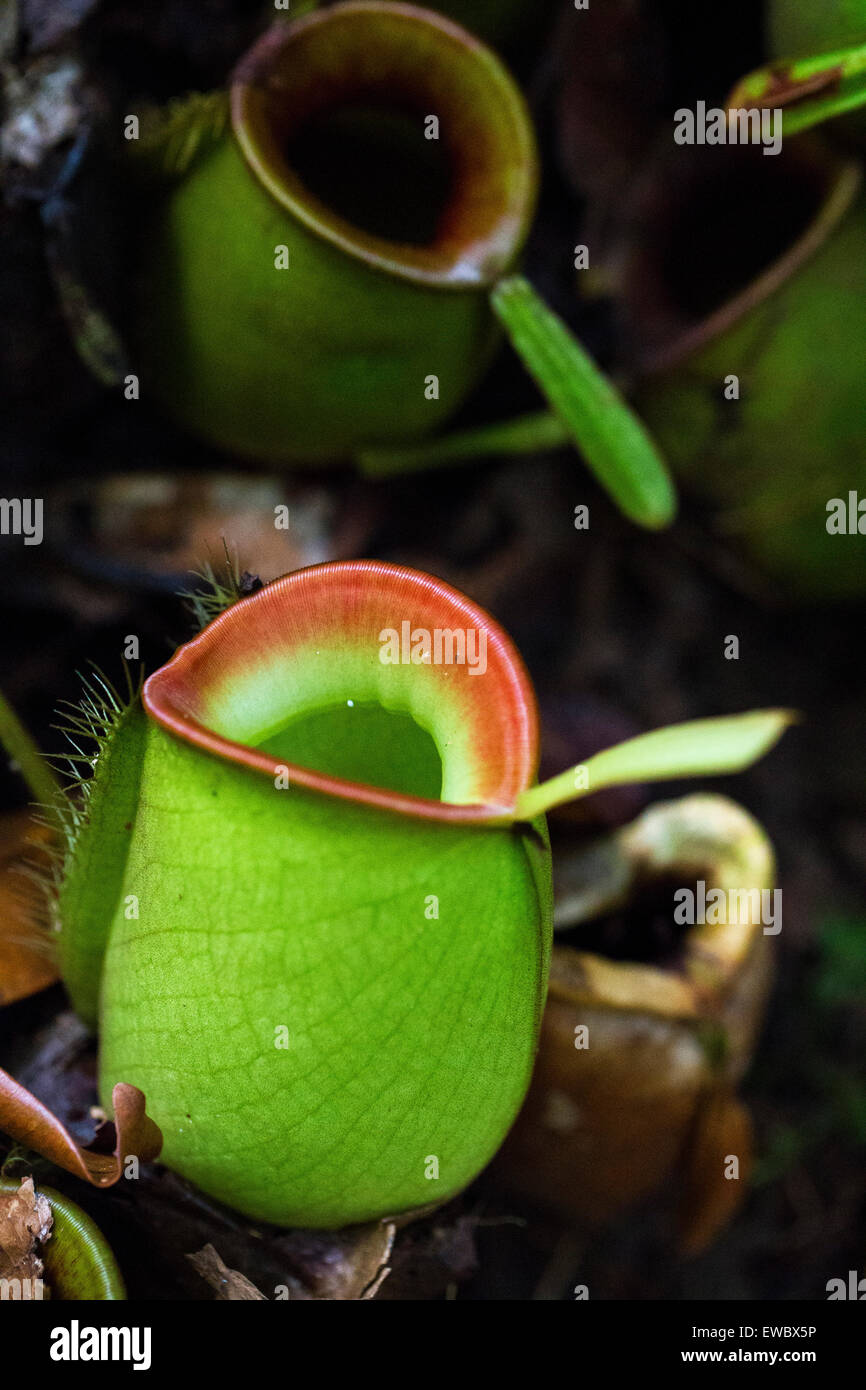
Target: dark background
(621, 630)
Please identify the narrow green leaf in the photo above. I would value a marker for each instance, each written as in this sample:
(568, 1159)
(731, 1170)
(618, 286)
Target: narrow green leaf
(96, 340)
(806, 90)
(701, 747)
(525, 434)
(30, 762)
(614, 443)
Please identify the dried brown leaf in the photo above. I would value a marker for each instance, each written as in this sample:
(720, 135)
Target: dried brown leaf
(344, 1265)
(709, 1197)
(25, 1224)
(229, 1285)
(26, 1119)
(43, 109)
(26, 963)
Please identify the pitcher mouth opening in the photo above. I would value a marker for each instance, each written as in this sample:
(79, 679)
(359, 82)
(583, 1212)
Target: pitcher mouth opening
(393, 134)
(364, 681)
(681, 911)
(717, 232)
(643, 932)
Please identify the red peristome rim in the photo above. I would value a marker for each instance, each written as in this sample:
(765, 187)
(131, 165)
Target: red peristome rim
(170, 694)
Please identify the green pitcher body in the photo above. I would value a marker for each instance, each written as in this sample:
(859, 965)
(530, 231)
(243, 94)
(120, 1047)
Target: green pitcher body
(272, 1015)
(796, 438)
(306, 362)
(315, 277)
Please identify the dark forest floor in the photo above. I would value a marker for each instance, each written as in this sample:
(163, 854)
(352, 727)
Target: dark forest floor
(621, 631)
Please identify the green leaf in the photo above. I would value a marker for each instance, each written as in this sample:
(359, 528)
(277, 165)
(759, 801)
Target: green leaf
(525, 434)
(701, 747)
(96, 340)
(614, 443)
(25, 755)
(806, 90)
